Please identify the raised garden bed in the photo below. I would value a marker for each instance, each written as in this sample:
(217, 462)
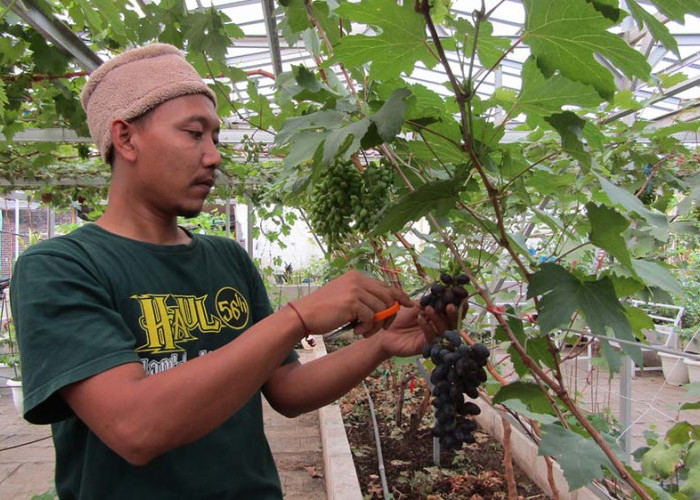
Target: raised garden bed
(474, 472)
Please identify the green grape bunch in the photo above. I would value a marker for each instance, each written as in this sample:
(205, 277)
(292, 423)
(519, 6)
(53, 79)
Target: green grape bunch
(346, 201)
(376, 193)
(330, 210)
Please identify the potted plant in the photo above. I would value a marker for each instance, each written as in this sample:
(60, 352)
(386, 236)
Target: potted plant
(9, 357)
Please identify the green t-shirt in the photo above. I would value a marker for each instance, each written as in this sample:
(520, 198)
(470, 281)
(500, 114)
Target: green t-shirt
(91, 300)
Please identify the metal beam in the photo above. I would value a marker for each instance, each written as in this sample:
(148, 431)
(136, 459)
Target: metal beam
(273, 39)
(56, 32)
(681, 87)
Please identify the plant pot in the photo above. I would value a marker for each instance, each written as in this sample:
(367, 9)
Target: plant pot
(17, 394)
(675, 370)
(693, 367)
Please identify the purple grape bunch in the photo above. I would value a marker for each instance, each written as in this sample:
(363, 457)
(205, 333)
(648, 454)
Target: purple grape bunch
(459, 370)
(449, 290)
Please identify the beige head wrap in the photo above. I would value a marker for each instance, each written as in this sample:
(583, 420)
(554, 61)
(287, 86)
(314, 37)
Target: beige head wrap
(135, 82)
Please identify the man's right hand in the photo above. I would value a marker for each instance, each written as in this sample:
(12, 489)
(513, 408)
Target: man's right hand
(352, 296)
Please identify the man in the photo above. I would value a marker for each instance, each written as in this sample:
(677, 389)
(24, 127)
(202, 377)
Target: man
(147, 347)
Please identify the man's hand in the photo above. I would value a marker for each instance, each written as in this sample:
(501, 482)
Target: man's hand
(353, 296)
(413, 328)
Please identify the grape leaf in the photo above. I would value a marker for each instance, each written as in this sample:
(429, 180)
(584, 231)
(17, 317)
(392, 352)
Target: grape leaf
(537, 348)
(657, 30)
(544, 96)
(606, 228)
(565, 35)
(3, 96)
(657, 275)
(438, 196)
(563, 294)
(691, 486)
(390, 116)
(489, 48)
(530, 394)
(627, 200)
(345, 140)
(442, 143)
(205, 32)
(402, 31)
(661, 460)
(570, 128)
(677, 9)
(581, 459)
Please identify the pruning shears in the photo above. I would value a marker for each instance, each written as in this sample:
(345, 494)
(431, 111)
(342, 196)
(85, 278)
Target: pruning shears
(378, 318)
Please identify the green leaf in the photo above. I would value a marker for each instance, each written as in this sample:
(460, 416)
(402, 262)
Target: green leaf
(304, 147)
(400, 44)
(258, 104)
(321, 120)
(345, 140)
(537, 348)
(544, 97)
(206, 33)
(530, 394)
(682, 433)
(693, 458)
(442, 143)
(489, 49)
(570, 128)
(581, 459)
(91, 15)
(661, 460)
(563, 294)
(691, 486)
(3, 97)
(424, 103)
(438, 196)
(606, 228)
(659, 31)
(667, 81)
(565, 35)
(655, 274)
(677, 9)
(390, 116)
(295, 17)
(627, 200)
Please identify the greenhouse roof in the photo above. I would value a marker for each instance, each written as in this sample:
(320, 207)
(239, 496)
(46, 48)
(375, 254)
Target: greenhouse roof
(264, 52)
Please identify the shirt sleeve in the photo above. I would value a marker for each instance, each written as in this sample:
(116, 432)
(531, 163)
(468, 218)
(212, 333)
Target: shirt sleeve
(67, 329)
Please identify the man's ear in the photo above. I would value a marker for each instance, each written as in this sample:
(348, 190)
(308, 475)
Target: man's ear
(122, 134)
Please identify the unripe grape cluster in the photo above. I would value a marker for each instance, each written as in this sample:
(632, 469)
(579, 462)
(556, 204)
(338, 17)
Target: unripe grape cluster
(459, 370)
(330, 210)
(449, 290)
(346, 200)
(376, 191)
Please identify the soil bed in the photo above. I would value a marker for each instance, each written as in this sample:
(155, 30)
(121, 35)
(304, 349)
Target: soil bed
(472, 473)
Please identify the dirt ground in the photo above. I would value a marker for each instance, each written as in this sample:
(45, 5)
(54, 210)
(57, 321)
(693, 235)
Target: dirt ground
(475, 472)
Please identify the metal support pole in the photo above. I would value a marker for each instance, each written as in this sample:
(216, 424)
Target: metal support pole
(249, 229)
(14, 257)
(51, 216)
(626, 404)
(228, 217)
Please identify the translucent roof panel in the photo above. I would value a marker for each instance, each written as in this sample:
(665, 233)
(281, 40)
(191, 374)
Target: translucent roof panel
(253, 52)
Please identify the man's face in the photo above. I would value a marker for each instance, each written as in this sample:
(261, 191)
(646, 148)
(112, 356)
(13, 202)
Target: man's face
(177, 155)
